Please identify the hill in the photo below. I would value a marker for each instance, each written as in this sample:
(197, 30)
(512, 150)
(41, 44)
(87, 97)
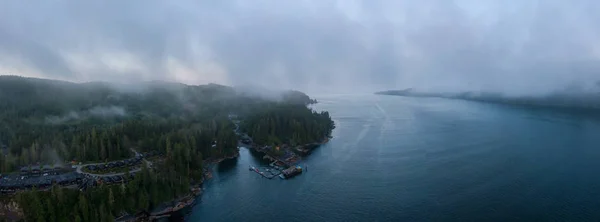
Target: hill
(57, 114)
(55, 122)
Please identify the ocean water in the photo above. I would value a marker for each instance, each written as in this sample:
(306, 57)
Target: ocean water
(425, 159)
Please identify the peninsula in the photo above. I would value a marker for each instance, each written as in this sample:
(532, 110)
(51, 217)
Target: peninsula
(102, 151)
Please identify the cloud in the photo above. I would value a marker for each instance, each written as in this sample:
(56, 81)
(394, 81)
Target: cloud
(107, 111)
(97, 111)
(62, 119)
(525, 47)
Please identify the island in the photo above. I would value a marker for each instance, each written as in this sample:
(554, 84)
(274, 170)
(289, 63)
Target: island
(101, 151)
(571, 99)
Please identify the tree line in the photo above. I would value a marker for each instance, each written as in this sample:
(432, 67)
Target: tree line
(290, 124)
(104, 203)
(188, 125)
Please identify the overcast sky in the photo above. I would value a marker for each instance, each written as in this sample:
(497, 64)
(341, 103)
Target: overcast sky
(519, 46)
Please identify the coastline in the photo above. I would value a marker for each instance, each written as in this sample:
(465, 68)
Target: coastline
(197, 189)
(304, 149)
(167, 209)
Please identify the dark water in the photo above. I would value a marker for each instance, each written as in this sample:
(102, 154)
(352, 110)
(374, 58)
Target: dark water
(409, 159)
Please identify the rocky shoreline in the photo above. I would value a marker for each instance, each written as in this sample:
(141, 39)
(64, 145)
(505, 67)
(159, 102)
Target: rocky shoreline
(291, 154)
(10, 210)
(209, 164)
(167, 209)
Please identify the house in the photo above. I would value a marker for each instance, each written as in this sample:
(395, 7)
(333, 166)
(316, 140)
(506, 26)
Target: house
(87, 183)
(36, 170)
(68, 179)
(5, 188)
(107, 180)
(47, 168)
(25, 170)
(58, 168)
(117, 179)
(45, 183)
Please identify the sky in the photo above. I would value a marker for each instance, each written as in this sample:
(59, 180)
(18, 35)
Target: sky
(514, 47)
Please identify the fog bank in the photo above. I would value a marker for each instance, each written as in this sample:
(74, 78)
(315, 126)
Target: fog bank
(516, 48)
(97, 111)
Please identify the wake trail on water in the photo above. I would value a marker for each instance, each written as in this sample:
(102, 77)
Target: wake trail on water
(384, 127)
(381, 110)
(351, 147)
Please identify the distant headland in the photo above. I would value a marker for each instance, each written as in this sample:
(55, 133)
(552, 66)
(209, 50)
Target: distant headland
(578, 100)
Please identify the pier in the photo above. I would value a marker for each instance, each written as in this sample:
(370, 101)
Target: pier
(266, 172)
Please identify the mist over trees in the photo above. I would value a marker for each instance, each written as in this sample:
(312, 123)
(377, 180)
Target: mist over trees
(53, 122)
(103, 122)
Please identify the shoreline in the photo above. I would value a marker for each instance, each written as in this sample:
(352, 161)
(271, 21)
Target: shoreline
(304, 149)
(211, 163)
(169, 208)
(180, 203)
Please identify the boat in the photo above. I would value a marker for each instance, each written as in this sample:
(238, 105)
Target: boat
(291, 172)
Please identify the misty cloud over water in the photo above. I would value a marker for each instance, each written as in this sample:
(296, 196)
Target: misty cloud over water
(516, 47)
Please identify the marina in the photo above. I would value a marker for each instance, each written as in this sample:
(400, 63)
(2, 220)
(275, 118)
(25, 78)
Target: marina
(276, 171)
(266, 172)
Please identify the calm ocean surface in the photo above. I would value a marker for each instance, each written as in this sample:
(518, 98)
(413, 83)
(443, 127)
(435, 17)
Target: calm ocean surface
(425, 159)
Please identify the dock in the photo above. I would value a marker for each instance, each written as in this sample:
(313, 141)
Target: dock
(291, 172)
(266, 172)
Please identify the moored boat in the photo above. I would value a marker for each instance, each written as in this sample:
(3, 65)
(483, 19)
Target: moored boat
(291, 172)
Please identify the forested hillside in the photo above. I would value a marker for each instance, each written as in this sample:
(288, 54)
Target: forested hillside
(55, 122)
(284, 124)
(45, 121)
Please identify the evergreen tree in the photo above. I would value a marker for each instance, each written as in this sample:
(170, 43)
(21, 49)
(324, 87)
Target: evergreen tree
(181, 122)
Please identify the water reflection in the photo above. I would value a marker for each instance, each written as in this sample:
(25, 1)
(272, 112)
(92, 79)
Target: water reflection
(258, 156)
(227, 165)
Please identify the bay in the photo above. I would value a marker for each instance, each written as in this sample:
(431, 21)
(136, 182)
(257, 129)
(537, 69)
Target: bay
(424, 159)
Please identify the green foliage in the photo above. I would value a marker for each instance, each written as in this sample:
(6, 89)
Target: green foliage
(46, 121)
(145, 191)
(288, 124)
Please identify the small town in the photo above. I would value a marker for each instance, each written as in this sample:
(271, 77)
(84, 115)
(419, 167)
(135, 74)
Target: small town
(86, 176)
(71, 175)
